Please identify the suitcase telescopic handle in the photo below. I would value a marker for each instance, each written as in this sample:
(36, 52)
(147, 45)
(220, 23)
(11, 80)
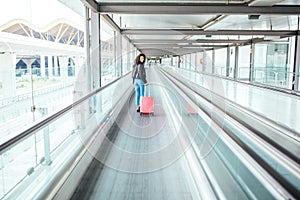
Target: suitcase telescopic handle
(147, 89)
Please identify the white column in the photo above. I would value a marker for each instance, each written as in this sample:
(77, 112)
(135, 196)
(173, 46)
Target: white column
(205, 61)
(196, 62)
(50, 67)
(190, 62)
(87, 42)
(228, 62)
(213, 71)
(28, 62)
(296, 81)
(79, 62)
(63, 62)
(55, 65)
(119, 55)
(8, 74)
(96, 51)
(42, 66)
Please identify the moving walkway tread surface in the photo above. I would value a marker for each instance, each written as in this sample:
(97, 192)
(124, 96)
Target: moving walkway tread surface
(131, 177)
(125, 176)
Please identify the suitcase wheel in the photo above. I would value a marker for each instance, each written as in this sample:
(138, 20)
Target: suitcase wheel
(152, 114)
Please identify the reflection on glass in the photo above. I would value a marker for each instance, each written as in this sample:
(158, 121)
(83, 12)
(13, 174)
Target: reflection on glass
(42, 52)
(57, 141)
(220, 61)
(244, 63)
(17, 163)
(271, 64)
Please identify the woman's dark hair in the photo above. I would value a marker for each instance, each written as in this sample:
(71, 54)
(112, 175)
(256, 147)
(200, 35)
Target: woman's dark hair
(138, 59)
(135, 61)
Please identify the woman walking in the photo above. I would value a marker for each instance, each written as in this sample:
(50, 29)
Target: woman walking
(139, 79)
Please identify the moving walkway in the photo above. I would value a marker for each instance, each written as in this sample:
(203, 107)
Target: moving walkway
(216, 152)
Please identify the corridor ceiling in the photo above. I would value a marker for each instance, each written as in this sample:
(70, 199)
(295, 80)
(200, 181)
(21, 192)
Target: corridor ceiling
(159, 28)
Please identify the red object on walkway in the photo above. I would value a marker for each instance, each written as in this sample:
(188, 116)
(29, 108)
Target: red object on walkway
(191, 110)
(147, 105)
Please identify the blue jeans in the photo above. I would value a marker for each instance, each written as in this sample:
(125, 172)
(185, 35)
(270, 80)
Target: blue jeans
(139, 90)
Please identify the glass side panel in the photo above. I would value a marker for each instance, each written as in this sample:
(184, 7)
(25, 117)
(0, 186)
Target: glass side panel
(271, 64)
(42, 56)
(18, 162)
(220, 61)
(59, 140)
(108, 53)
(244, 63)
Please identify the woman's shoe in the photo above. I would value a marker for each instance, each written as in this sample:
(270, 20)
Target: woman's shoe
(138, 109)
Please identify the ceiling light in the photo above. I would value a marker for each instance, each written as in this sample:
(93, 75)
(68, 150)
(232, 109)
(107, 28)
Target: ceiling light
(253, 17)
(264, 2)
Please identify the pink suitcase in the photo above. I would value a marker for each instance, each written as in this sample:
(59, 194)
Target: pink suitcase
(147, 105)
(191, 110)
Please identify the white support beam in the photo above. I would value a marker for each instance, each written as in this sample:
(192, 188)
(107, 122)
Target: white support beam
(162, 46)
(62, 34)
(199, 41)
(71, 36)
(202, 32)
(28, 35)
(43, 66)
(194, 8)
(91, 4)
(63, 64)
(50, 67)
(111, 22)
(57, 38)
(31, 46)
(96, 50)
(264, 2)
(8, 74)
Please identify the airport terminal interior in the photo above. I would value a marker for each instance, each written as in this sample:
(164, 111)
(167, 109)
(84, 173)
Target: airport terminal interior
(224, 76)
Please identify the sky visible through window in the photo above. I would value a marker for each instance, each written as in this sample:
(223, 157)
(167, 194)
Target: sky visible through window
(39, 13)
